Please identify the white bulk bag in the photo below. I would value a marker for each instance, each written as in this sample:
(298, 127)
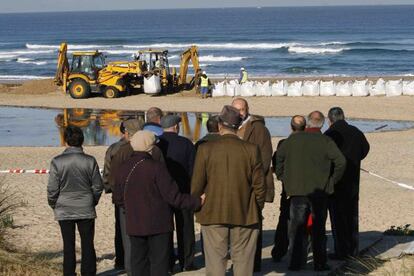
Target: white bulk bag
(219, 90)
(408, 88)
(259, 89)
(360, 88)
(327, 88)
(237, 88)
(230, 89)
(152, 85)
(294, 89)
(310, 88)
(263, 89)
(343, 89)
(393, 88)
(248, 89)
(378, 88)
(279, 88)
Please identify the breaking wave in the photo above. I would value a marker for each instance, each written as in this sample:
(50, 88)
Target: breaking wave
(211, 58)
(310, 50)
(31, 61)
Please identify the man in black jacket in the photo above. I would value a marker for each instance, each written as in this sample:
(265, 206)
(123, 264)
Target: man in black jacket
(179, 155)
(343, 207)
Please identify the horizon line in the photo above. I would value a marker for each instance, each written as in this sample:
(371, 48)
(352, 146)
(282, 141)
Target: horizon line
(210, 8)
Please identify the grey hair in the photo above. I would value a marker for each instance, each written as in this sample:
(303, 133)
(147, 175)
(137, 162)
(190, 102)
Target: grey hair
(153, 114)
(336, 114)
(315, 119)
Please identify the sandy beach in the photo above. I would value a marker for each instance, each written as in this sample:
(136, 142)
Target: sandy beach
(382, 204)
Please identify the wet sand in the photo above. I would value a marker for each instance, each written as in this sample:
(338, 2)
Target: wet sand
(382, 204)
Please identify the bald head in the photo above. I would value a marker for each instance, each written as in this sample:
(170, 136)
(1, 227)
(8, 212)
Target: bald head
(316, 119)
(298, 123)
(242, 106)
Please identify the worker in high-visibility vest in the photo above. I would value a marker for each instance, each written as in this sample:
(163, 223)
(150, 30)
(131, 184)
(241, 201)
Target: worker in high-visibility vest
(204, 85)
(243, 76)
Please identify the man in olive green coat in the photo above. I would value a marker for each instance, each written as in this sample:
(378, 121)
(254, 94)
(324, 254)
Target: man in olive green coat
(229, 171)
(309, 165)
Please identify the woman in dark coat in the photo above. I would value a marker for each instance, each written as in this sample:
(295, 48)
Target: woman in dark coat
(149, 195)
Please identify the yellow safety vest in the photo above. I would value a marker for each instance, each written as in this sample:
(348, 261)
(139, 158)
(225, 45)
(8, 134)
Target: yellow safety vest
(244, 78)
(204, 82)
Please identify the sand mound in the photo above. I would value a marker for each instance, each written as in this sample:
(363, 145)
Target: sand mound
(37, 87)
(4, 88)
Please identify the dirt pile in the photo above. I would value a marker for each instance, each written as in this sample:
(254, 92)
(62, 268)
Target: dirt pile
(34, 87)
(37, 87)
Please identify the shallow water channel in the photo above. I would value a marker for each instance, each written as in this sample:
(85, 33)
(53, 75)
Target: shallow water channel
(44, 127)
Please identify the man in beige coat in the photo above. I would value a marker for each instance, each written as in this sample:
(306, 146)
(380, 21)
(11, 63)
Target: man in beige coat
(253, 130)
(230, 172)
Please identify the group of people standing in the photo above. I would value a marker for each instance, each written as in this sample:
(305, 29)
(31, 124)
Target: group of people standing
(157, 176)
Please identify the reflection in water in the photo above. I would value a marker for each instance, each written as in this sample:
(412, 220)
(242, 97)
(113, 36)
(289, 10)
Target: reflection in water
(102, 127)
(44, 127)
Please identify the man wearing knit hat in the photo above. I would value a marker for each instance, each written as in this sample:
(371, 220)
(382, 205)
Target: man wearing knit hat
(113, 159)
(230, 172)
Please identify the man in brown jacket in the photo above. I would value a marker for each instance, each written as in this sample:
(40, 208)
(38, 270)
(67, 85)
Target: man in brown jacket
(253, 130)
(230, 172)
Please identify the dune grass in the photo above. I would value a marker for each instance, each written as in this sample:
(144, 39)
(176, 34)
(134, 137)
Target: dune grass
(12, 262)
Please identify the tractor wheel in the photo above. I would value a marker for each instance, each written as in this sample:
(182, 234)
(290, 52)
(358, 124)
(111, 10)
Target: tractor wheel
(111, 92)
(79, 89)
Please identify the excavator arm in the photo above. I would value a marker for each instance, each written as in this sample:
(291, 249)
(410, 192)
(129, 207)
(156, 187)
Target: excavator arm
(190, 54)
(62, 69)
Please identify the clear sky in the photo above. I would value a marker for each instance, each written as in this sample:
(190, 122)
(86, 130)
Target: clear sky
(71, 5)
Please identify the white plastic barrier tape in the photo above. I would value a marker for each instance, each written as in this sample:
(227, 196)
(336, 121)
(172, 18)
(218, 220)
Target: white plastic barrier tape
(34, 171)
(45, 171)
(389, 180)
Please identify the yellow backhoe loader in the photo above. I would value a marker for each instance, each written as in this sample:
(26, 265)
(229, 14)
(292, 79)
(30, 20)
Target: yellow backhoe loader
(156, 62)
(88, 74)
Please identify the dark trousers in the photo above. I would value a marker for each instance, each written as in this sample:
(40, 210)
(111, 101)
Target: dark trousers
(125, 240)
(184, 221)
(258, 253)
(300, 208)
(281, 239)
(119, 248)
(86, 228)
(150, 255)
(343, 213)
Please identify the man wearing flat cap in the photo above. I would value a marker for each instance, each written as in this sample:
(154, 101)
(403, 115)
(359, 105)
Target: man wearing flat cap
(230, 172)
(179, 154)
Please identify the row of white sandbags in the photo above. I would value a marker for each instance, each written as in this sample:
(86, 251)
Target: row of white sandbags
(315, 88)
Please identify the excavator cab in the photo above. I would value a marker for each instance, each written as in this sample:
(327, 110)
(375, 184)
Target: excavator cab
(155, 60)
(88, 63)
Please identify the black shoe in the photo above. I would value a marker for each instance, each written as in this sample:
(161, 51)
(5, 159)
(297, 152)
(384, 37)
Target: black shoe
(190, 267)
(257, 269)
(294, 268)
(335, 257)
(321, 267)
(119, 267)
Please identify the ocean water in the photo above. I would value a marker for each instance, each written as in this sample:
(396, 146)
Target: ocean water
(352, 41)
